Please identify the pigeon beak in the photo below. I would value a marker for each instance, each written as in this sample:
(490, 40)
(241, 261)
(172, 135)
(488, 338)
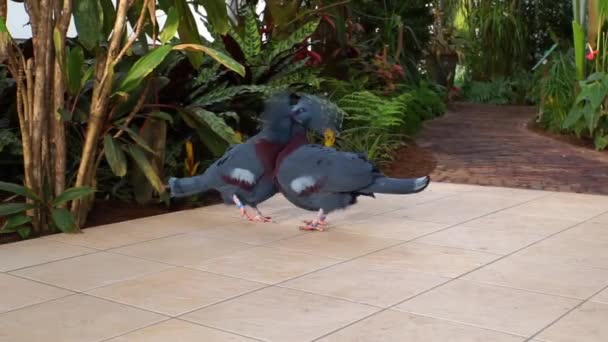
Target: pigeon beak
(329, 137)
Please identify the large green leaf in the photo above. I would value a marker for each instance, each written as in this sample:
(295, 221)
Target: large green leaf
(72, 194)
(143, 67)
(221, 57)
(63, 220)
(225, 94)
(171, 26)
(162, 116)
(216, 124)
(138, 139)
(573, 117)
(15, 221)
(579, 49)
(88, 18)
(14, 208)
(74, 72)
(18, 190)
(115, 156)
(208, 137)
(188, 31)
(601, 142)
(217, 14)
(297, 37)
(109, 16)
(139, 156)
(252, 39)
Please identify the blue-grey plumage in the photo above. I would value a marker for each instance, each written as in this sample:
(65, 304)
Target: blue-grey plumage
(243, 175)
(314, 178)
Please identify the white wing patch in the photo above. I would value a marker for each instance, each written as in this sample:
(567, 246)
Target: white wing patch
(301, 183)
(243, 175)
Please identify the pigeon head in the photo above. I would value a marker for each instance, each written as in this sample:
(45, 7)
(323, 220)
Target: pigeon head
(319, 115)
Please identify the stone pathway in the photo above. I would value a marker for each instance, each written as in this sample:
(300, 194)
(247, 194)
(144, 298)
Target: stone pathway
(454, 263)
(491, 145)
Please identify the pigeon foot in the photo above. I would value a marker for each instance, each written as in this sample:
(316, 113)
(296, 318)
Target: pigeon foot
(260, 218)
(311, 227)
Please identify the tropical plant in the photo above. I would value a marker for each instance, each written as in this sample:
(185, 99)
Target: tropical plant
(590, 112)
(498, 91)
(375, 143)
(17, 219)
(497, 38)
(112, 103)
(554, 90)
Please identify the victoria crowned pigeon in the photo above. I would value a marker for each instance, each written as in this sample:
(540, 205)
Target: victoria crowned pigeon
(244, 174)
(319, 178)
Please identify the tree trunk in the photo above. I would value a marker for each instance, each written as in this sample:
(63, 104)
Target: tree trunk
(41, 21)
(99, 109)
(62, 16)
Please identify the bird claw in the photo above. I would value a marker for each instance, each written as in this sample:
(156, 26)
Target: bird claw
(312, 222)
(319, 226)
(259, 218)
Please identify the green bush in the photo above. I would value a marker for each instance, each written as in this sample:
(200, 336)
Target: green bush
(378, 125)
(553, 83)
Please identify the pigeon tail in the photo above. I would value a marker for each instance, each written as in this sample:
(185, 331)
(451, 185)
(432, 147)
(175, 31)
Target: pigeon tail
(182, 187)
(396, 186)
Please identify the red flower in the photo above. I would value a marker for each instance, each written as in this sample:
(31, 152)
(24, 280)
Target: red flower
(314, 58)
(398, 69)
(591, 55)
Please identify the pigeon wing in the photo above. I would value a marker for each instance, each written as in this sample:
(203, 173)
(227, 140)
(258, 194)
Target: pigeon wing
(314, 168)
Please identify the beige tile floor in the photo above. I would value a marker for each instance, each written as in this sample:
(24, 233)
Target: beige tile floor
(456, 263)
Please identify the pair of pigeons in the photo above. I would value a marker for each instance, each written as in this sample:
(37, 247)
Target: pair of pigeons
(281, 159)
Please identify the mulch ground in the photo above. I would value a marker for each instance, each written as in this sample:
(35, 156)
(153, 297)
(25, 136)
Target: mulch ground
(499, 146)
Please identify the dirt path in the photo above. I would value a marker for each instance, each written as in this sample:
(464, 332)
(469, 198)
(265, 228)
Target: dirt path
(492, 145)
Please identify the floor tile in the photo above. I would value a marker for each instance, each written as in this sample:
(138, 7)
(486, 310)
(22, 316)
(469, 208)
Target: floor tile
(335, 244)
(102, 237)
(390, 325)
(601, 297)
(563, 250)
(443, 261)
(364, 283)
(37, 251)
(252, 232)
(493, 240)
(459, 208)
(392, 228)
(527, 224)
(183, 250)
(600, 219)
(279, 314)
(587, 231)
(267, 265)
(563, 206)
(586, 323)
(497, 308)
(90, 271)
(179, 331)
(530, 274)
(18, 292)
(175, 291)
(77, 318)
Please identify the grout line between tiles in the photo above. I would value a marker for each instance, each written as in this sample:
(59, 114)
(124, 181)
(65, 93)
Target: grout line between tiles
(471, 271)
(566, 313)
(302, 275)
